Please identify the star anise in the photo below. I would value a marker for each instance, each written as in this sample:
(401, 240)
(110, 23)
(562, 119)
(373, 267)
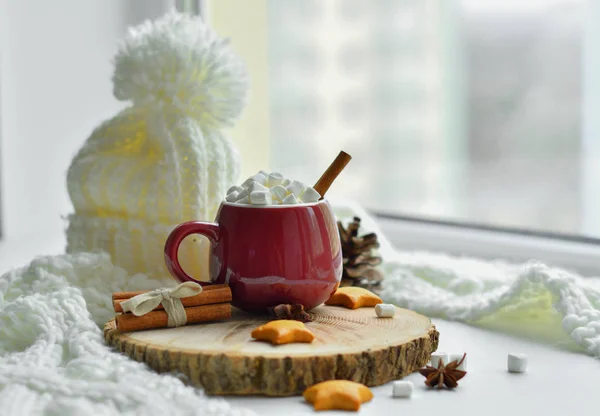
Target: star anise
(286, 311)
(444, 374)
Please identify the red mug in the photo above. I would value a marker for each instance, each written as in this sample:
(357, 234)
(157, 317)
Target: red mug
(268, 255)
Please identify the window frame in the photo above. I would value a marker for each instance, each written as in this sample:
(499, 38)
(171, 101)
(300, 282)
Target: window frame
(414, 233)
(574, 253)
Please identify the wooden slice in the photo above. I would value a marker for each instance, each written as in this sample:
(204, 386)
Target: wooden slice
(223, 358)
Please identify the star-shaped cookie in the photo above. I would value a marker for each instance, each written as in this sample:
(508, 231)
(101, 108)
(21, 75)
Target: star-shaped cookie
(337, 394)
(353, 297)
(283, 331)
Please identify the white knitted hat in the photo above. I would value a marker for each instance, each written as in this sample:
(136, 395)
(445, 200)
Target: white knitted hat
(164, 159)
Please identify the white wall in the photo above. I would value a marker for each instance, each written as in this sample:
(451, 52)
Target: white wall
(55, 70)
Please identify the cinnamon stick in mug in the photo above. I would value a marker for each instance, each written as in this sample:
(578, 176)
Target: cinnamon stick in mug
(216, 294)
(332, 172)
(127, 322)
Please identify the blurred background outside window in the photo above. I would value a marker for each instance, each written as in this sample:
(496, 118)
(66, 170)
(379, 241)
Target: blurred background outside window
(478, 111)
(463, 110)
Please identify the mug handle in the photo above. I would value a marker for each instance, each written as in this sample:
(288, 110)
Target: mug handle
(208, 229)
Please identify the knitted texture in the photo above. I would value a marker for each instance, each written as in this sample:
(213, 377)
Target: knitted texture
(534, 300)
(53, 360)
(164, 159)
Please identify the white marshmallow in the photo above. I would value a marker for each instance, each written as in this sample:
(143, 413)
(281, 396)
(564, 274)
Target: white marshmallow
(260, 198)
(402, 388)
(296, 188)
(276, 202)
(257, 187)
(275, 178)
(385, 310)
(289, 200)
(457, 357)
(436, 357)
(310, 195)
(243, 200)
(263, 173)
(243, 194)
(260, 178)
(248, 183)
(286, 182)
(517, 362)
(232, 197)
(238, 189)
(279, 192)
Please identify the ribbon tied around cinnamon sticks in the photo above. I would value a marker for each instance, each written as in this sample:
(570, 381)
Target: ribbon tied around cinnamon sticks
(161, 308)
(169, 298)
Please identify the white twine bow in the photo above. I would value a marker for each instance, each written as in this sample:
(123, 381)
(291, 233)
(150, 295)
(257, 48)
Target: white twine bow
(170, 298)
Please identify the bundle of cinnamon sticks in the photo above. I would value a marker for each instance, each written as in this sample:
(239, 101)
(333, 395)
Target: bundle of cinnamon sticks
(212, 304)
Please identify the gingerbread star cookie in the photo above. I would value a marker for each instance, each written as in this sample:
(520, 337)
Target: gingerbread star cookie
(283, 331)
(337, 394)
(353, 298)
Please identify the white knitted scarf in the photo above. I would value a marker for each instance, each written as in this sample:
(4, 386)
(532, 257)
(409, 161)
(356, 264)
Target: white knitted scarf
(53, 359)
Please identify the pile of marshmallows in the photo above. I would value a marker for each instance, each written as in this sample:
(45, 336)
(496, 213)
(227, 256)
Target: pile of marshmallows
(271, 189)
(516, 362)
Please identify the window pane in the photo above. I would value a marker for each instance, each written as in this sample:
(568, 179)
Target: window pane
(465, 110)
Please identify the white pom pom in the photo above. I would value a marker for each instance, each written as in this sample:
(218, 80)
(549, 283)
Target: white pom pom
(178, 61)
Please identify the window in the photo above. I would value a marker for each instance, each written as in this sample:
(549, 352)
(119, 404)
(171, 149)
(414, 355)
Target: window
(477, 111)
(470, 111)
(0, 157)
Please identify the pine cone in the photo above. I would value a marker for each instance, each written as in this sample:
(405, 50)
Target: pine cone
(360, 265)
